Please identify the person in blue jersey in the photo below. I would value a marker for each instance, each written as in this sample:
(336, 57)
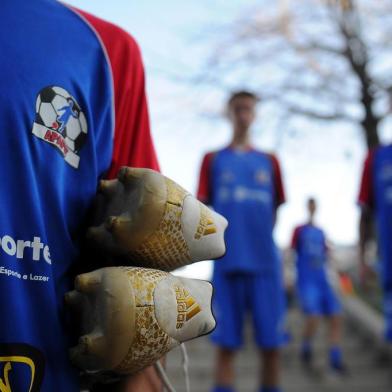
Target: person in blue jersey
(375, 200)
(61, 131)
(316, 295)
(245, 186)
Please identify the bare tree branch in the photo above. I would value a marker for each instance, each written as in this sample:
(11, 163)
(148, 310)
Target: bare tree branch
(314, 60)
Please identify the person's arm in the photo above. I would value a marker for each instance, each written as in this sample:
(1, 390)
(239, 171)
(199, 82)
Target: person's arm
(204, 188)
(366, 202)
(280, 197)
(291, 250)
(332, 261)
(289, 258)
(365, 232)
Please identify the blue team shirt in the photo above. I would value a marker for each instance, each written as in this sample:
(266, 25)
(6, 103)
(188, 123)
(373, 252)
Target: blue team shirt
(311, 251)
(376, 192)
(242, 186)
(56, 127)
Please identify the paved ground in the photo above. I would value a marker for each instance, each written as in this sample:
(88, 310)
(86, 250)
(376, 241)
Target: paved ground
(367, 372)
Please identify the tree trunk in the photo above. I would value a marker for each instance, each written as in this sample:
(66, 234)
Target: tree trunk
(370, 121)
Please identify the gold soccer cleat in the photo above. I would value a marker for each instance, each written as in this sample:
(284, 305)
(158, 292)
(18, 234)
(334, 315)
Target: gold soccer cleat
(132, 316)
(153, 222)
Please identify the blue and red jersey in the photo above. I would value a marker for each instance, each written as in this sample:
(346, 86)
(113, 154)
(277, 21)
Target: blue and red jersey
(376, 194)
(245, 187)
(72, 110)
(315, 293)
(309, 243)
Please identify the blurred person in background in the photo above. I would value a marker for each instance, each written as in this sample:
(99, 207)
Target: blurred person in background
(245, 186)
(316, 294)
(375, 200)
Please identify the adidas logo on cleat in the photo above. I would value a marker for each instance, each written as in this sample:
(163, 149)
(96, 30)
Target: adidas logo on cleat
(150, 220)
(206, 225)
(187, 307)
(132, 316)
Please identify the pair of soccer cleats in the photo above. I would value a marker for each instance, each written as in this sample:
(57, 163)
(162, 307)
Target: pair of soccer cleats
(131, 316)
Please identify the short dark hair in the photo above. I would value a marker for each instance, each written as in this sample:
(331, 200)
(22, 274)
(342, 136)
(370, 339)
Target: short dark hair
(311, 200)
(242, 94)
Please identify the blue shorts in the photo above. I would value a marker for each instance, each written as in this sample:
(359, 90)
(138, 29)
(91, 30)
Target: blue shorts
(318, 298)
(237, 294)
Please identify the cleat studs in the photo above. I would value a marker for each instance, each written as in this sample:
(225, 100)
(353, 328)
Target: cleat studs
(94, 233)
(123, 175)
(74, 354)
(91, 343)
(87, 283)
(107, 187)
(73, 298)
(103, 185)
(117, 224)
(86, 344)
(128, 175)
(88, 350)
(111, 223)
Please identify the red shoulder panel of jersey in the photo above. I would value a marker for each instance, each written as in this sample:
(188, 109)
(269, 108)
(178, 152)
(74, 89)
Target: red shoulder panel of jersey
(365, 197)
(133, 144)
(295, 236)
(278, 182)
(204, 191)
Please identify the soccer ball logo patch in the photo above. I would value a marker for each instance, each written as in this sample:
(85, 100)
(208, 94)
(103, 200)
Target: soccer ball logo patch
(60, 122)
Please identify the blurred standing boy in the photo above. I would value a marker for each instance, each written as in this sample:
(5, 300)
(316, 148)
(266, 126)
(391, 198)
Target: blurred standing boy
(245, 185)
(316, 294)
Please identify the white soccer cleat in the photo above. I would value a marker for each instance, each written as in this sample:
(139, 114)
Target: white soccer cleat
(132, 316)
(153, 222)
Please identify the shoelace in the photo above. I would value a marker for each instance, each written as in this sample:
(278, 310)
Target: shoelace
(185, 366)
(163, 376)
